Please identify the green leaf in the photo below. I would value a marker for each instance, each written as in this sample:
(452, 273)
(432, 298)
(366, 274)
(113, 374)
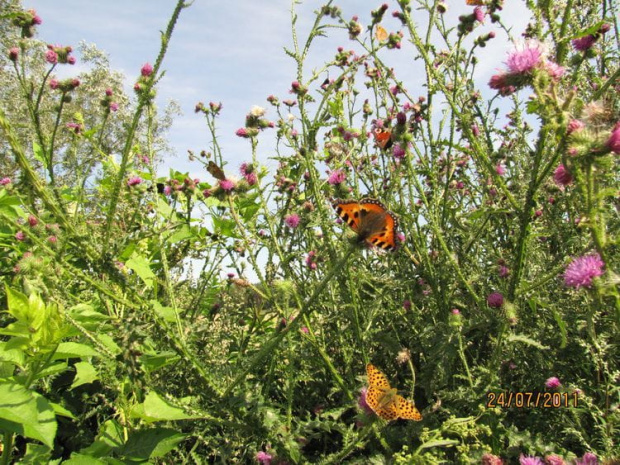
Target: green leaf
(60, 411)
(155, 408)
(167, 313)
(27, 413)
(110, 437)
(157, 361)
(79, 459)
(37, 150)
(141, 266)
(86, 373)
(36, 454)
(182, 233)
(224, 227)
(439, 443)
(151, 443)
(562, 325)
(74, 350)
(591, 30)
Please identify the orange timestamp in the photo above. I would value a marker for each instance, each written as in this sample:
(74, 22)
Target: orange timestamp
(510, 399)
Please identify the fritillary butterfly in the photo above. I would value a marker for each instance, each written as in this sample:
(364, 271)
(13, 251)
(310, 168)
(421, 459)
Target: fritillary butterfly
(385, 401)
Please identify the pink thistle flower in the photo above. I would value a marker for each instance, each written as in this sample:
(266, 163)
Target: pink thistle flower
(71, 60)
(400, 237)
(552, 383)
(479, 14)
(32, 221)
(588, 459)
(475, 130)
(582, 269)
(336, 177)
(503, 271)
(490, 459)
(113, 106)
(554, 460)
(495, 300)
(5, 181)
(13, 54)
(146, 70)
(574, 126)
(52, 240)
(398, 152)
(304, 330)
(108, 92)
(167, 190)
(242, 132)
(207, 193)
(613, 143)
(363, 404)
(501, 83)
(530, 460)
(524, 61)
(263, 458)
(134, 181)
(407, 304)
(500, 169)
(51, 57)
(227, 185)
(20, 236)
(36, 19)
(562, 176)
(583, 43)
(555, 71)
(251, 178)
(292, 221)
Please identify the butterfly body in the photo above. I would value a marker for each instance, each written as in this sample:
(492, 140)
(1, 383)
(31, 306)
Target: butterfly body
(385, 401)
(383, 138)
(371, 220)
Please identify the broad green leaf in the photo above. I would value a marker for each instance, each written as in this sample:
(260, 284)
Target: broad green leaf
(60, 411)
(167, 313)
(110, 437)
(79, 459)
(182, 233)
(27, 413)
(74, 350)
(155, 408)
(224, 226)
(141, 266)
(156, 361)
(15, 355)
(36, 454)
(151, 443)
(86, 373)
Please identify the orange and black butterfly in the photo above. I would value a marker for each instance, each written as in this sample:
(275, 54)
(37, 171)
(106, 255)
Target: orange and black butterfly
(373, 223)
(216, 171)
(383, 138)
(475, 2)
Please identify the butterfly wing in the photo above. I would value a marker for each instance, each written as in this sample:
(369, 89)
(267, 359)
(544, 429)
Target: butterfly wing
(371, 221)
(376, 379)
(380, 33)
(378, 225)
(475, 2)
(405, 409)
(383, 138)
(216, 171)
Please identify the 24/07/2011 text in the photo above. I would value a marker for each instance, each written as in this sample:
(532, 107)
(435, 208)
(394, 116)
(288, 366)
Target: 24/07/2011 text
(533, 399)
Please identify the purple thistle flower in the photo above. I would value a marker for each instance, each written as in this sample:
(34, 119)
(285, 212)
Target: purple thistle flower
(495, 300)
(588, 459)
(407, 304)
(530, 460)
(583, 43)
(361, 402)
(13, 54)
(562, 176)
(582, 269)
(292, 221)
(613, 143)
(554, 460)
(336, 177)
(32, 220)
(20, 236)
(524, 61)
(490, 459)
(503, 271)
(398, 152)
(500, 169)
(242, 132)
(227, 185)
(5, 181)
(479, 14)
(574, 126)
(146, 70)
(113, 106)
(552, 383)
(51, 57)
(134, 181)
(263, 458)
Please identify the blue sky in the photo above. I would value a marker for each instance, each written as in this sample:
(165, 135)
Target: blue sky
(232, 52)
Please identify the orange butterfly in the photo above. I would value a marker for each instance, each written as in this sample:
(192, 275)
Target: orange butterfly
(216, 171)
(475, 2)
(383, 138)
(372, 222)
(385, 401)
(381, 34)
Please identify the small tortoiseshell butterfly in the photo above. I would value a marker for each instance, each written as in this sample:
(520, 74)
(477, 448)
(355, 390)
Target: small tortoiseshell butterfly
(384, 400)
(383, 138)
(372, 222)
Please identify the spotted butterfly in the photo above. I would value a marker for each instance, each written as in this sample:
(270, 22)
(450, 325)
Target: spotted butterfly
(384, 400)
(383, 138)
(371, 220)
